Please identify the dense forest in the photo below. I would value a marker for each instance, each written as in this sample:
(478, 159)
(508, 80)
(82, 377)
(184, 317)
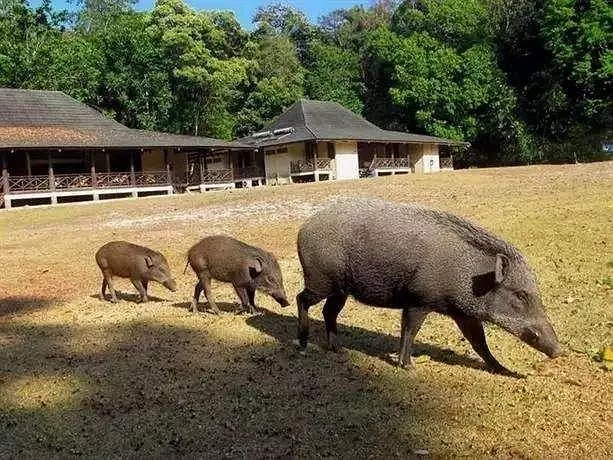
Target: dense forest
(523, 81)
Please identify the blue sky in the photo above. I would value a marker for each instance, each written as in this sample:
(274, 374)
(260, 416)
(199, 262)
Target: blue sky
(243, 9)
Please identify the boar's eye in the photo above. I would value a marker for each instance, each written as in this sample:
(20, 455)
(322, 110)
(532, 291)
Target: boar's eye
(523, 296)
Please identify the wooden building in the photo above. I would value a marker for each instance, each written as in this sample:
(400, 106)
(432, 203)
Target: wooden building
(315, 140)
(54, 149)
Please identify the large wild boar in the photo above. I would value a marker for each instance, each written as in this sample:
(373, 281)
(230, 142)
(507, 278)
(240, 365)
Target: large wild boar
(419, 260)
(248, 268)
(138, 263)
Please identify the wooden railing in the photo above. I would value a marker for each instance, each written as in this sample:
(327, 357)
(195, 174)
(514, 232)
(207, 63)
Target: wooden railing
(63, 182)
(217, 176)
(446, 163)
(149, 179)
(316, 164)
(390, 163)
(111, 180)
(28, 183)
(72, 181)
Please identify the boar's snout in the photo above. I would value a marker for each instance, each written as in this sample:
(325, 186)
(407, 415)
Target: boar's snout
(170, 284)
(544, 339)
(281, 300)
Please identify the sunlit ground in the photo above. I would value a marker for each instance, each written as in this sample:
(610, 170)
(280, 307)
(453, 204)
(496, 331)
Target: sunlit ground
(83, 376)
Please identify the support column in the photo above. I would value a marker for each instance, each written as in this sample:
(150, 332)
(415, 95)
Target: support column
(316, 172)
(107, 160)
(28, 164)
(201, 163)
(168, 172)
(92, 162)
(133, 176)
(51, 180)
(5, 175)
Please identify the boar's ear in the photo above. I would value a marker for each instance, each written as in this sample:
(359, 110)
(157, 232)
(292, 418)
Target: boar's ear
(502, 267)
(148, 261)
(255, 267)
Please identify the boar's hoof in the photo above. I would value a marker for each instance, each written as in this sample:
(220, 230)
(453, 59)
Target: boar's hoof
(506, 372)
(333, 345)
(406, 363)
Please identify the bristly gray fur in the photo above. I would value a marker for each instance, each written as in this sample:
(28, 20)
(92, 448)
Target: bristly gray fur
(473, 234)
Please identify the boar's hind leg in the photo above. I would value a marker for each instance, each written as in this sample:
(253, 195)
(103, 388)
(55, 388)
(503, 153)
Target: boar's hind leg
(107, 282)
(305, 300)
(103, 289)
(138, 284)
(197, 292)
(205, 282)
(473, 331)
(412, 319)
(334, 304)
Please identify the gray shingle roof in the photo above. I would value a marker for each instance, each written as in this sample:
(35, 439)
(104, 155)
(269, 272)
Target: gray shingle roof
(330, 121)
(52, 119)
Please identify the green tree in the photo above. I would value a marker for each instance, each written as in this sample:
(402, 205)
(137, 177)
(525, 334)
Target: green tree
(335, 75)
(444, 78)
(203, 77)
(557, 55)
(277, 81)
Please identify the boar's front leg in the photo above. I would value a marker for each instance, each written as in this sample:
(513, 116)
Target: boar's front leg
(472, 329)
(412, 320)
(243, 295)
(138, 284)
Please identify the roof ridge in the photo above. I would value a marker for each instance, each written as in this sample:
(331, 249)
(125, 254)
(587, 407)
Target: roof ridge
(304, 118)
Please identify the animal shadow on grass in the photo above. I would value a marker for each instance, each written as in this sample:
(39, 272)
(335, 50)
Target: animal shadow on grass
(128, 297)
(148, 390)
(203, 307)
(14, 305)
(375, 344)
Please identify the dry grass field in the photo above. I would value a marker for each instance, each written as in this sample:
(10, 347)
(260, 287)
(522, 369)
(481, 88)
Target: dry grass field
(79, 376)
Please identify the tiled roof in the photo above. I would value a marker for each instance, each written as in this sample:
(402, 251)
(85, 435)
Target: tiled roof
(329, 121)
(52, 119)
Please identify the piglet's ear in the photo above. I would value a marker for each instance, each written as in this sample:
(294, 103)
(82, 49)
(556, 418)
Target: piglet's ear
(502, 268)
(148, 261)
(255, 268)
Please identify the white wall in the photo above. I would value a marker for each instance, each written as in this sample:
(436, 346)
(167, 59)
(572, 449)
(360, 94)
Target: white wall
(430, 159)
(278, 164)
(346, 159)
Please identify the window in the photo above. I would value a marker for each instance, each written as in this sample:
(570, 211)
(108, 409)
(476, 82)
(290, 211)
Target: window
(210, 159)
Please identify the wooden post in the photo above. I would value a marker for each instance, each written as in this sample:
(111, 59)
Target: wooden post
(168, 173)
(93, 169)
(5, 174)
(52, 179)
(28, 164)
(316, 173)
(132, 174)
(107, 160)
(51, 175)
(92, 165)
(201, 162)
